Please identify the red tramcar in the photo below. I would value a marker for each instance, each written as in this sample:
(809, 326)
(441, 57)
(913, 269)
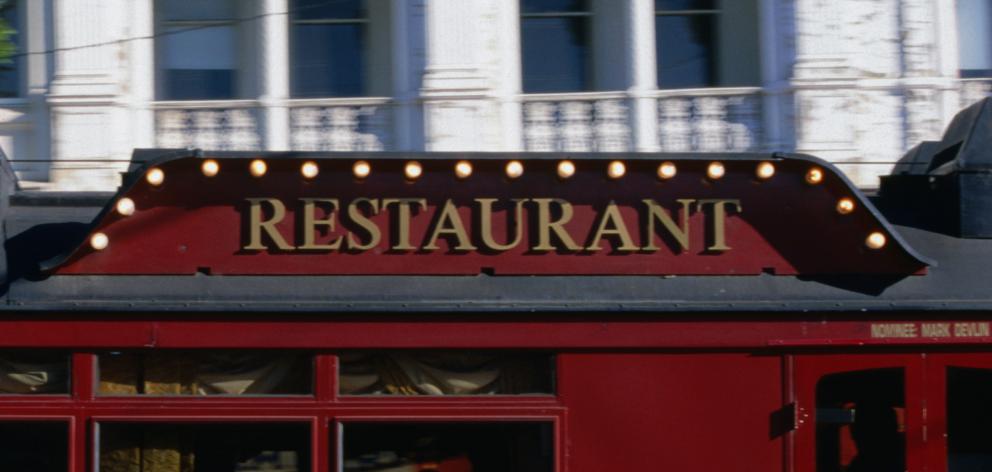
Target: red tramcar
(228, 311)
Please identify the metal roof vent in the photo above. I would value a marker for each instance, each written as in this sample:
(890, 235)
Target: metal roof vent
(953, 174)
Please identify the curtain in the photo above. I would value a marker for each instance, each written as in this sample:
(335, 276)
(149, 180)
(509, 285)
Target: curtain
(442, 373)
(25, 373)
(197, 373)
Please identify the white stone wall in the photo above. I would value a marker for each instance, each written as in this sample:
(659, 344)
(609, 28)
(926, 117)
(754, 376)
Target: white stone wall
(854, 81)
(871, 79)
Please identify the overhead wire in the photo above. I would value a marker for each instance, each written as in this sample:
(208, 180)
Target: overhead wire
(235, 21)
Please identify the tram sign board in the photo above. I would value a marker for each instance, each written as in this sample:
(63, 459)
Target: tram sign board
(464, 215)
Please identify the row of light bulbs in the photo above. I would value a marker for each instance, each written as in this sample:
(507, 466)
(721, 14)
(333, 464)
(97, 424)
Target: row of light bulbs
(514, 169)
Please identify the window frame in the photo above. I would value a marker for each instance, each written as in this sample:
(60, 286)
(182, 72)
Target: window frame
(161, 25)
(365, 23)
(324, 409)
(589, 60)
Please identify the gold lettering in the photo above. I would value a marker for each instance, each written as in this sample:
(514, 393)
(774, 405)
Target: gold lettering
(935, 330)
(311, 222)
(256, 225)
(356, 216)
(971, 330)
(893, 330)
(449, 222)
(719, 217)
(403, 219)
(486, 224)
(546, 226)
(656, 211)
(611, 223)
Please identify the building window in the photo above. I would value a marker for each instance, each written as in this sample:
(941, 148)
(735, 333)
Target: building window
(974, 31)
(330, 48)
(692, 38)
(685, 40)
(555, 40)
(197, 49)
(10, 77)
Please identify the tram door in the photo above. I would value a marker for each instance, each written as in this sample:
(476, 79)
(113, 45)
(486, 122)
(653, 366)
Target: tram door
(960, 412)
(854, 414)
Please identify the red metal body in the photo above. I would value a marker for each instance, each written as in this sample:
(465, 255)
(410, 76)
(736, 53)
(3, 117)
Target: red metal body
(633, 392)
(650, 386)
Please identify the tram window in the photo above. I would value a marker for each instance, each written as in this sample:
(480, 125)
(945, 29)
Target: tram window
(34, 446)
(452, 447)
(860, 421)
(161, 372)
(34, 372)
(969, 416)
(203, 447)
(445, 373)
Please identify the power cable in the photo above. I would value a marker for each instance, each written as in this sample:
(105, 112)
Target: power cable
(236, 21)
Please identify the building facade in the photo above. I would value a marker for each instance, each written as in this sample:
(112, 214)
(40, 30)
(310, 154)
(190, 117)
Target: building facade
(856, 82)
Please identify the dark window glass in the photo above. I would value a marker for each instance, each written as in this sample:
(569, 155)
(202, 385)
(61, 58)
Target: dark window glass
(555, 52)
(205, 373)
(476, 447)
(546, 6)
(969, 415)
(204, 447)
(35, 446)
(860, 421)
(198, 49)
(322, 9)
(686, 47)
(199, 84)
(320, 70)
(329, 49)
(34, 372)
(199, 10)
(10, 77)
(445, 373)
(683, 5)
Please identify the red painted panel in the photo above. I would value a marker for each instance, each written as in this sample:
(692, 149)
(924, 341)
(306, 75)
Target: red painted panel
(195, 223)
(484, 331)
(652, 411)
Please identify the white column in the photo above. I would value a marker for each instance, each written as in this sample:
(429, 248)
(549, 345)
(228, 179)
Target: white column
(455, 90)
(946, 26)
(273, 48)
(84, 92)
(509, 79)
(142, 73)
(639, 42)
